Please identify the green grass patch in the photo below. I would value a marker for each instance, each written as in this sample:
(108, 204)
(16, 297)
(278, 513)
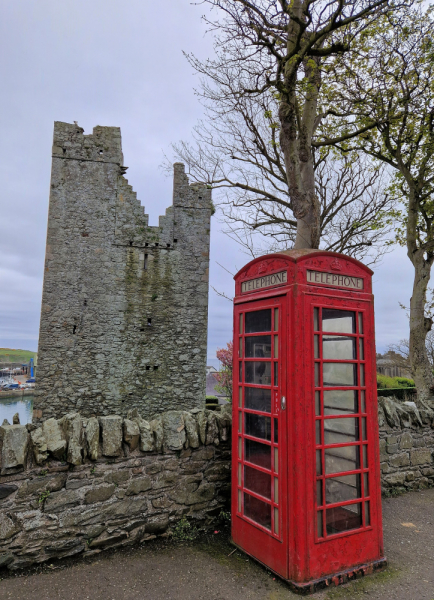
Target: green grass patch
(18, 356)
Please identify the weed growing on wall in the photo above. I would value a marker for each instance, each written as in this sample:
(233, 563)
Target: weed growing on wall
(185, 531)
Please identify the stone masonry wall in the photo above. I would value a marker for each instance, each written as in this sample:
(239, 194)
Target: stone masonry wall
(78, 486)
(406, 446)
(124, 307)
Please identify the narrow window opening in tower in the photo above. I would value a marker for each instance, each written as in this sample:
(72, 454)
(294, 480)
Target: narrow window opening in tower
(131, 243)
(74, 329)
(175, 241)
(155, 367)
(149, 321)
(145, 262)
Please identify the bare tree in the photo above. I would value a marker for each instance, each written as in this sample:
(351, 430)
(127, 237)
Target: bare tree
(285, 49)
(235, 151)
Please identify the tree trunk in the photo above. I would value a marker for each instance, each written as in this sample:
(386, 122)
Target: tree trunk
(420, 325)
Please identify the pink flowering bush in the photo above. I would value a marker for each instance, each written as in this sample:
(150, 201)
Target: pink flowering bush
(224, 376)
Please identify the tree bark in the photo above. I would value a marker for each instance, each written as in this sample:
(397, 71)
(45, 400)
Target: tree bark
(420, 325)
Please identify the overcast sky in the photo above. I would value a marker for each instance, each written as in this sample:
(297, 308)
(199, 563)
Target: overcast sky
(115, 63)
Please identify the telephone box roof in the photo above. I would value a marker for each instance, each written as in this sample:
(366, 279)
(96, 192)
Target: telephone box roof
(298, 256)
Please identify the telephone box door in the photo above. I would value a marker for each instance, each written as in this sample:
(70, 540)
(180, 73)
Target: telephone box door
(347, 508)
(259, 486)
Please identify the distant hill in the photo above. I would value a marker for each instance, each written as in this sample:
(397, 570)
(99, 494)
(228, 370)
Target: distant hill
(20, 356)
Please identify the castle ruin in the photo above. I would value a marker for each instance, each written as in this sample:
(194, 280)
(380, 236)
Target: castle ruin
(124, 306)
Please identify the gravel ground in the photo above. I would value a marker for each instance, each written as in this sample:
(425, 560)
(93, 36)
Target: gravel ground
(209, 570)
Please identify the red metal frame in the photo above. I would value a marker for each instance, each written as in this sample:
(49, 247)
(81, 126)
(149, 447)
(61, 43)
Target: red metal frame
(305, 549)
(266, 540)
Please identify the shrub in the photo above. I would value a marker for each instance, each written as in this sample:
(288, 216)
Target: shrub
(224, 376)
(383, 381)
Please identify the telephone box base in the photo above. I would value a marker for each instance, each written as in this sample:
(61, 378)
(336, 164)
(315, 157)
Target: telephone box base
(310, 587)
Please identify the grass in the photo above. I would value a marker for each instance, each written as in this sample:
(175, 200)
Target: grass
(16, 356)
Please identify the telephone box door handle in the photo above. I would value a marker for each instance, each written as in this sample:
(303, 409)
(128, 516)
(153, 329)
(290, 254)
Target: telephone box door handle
(283, 403)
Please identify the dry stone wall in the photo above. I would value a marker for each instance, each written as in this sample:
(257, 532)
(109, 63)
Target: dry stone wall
(406, 446)
(78, 486)
(124, 306)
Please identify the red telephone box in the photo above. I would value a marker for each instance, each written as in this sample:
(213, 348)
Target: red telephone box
(305, 480)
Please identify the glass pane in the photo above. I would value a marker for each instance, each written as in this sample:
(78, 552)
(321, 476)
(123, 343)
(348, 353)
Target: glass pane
(257, 399)
(319, 523)
(241, 323)
(317, 403)
(260, 320)
(365, 456)
(276, 431)
(364, 434)
(240, 448)
(257, 454)
(338, 347)
(239, 500)
(240, 379)
(361, 353)
(258, 372)
(318, 463)
(276, 319)
(257, 481)
(365, 484)
(241, 347)
(239, 474)
(340, 402)
(240, 422)
(340, 489)
(360, 323)
(339, 374)
(338, 321)
(276, 371)
(338, 460)
(257, 426)
(362, 374)
(316, 319)
(276, 490)
(319, 492)
(276, 460)
(362, 401)
(276, 521)
(341, 431)
(316, 346)
(257, 510)
(343, 518)
(317, 374)
(367, 514)
(318, 432)
(240, 397)
(276, 346)
(258, 346)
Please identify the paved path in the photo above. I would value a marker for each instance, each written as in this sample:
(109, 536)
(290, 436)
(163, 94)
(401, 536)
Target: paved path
(204, 571)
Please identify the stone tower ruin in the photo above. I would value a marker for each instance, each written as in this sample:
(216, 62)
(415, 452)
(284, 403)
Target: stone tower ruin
(124, 306)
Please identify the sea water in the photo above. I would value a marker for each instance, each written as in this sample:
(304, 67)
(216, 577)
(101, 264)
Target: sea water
(23, 405)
